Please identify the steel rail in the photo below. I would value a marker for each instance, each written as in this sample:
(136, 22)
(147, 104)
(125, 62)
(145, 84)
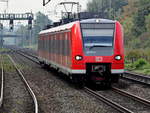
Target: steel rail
(28, 57)
(127, 94)
(2, 83)
(26, 83)
(137, 77)
(28, 54)
(107, 101)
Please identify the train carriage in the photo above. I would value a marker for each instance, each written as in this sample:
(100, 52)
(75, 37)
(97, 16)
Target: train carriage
(90, 50)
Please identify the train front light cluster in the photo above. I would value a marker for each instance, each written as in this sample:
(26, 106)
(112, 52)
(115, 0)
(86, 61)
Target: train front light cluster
(78, 57)
(118, 57)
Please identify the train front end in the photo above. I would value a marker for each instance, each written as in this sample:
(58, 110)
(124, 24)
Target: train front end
(103, 50)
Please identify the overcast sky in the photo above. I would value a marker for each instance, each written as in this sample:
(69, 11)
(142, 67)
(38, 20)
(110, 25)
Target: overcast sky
(23, 6)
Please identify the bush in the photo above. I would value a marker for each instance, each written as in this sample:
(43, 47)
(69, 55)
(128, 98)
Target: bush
(140, 63)
(129, 66)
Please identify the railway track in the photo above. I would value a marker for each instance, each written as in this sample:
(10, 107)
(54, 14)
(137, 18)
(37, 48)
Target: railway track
(25, 54)
(26, 84)
(134, 97)
(137, 78)
(114, 104)
(2, 82)
(30, 57)
(108, 101)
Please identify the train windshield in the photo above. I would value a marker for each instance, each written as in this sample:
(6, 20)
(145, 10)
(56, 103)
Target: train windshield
(98, 37)
(98, 41)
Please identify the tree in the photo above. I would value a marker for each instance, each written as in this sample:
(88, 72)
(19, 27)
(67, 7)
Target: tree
(109, 8)
(23, 32)
(40, 23)
(139, 17)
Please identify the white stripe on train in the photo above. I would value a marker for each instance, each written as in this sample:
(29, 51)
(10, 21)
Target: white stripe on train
(74, 71)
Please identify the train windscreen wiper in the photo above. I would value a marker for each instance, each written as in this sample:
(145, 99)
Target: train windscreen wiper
(99, 45)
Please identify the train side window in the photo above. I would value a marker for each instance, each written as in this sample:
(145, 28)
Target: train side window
(56, 43)
(65, 45)
(62, 45)
(52, 44)
(59, 44)
(38, 43)
(42, 43)
(49, 43)
(45, 43)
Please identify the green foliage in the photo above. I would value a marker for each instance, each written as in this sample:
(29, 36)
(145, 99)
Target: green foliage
(140, 63)
(23, 31)
(3, 49)
(135, 20)
(139, 17)
(137, 65)
(109, 8)
(7, 64)
(138, 60)
(94, 6)
(133, 55)
(40, 23)
(144, 69)
(147, 22)
(139, 25)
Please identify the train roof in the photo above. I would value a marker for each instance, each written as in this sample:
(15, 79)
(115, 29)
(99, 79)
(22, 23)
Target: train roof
(97, 20)
(58, 28)
(69, 25)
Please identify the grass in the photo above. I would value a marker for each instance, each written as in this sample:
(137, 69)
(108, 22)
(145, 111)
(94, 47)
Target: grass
(3, 49)
(145, 71)
(140, 66)
(8, 66)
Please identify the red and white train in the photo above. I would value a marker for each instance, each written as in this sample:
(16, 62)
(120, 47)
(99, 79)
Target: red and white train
(90, 50)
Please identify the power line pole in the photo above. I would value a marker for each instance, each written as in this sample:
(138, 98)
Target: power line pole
(1, 35)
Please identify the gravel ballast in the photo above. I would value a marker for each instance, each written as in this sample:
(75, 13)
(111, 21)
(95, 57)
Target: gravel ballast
(16, 97)
(55, 95)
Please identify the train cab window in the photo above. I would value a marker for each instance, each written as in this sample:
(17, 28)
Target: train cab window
(98, 37)
(98, 40)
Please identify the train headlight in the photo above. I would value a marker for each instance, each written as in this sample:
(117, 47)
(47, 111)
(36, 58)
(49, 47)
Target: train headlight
(118, 57)
(78, 57)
